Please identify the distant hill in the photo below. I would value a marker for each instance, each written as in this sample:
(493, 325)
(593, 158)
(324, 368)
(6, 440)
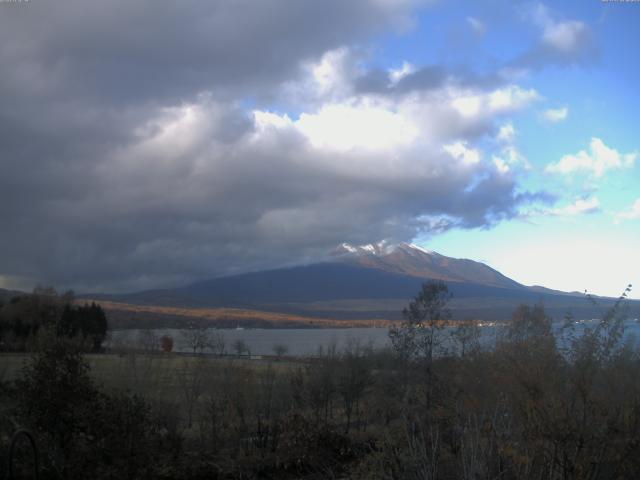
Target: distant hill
(9, 294)
(369, 282)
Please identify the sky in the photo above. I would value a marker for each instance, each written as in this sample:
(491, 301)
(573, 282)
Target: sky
(154, 143)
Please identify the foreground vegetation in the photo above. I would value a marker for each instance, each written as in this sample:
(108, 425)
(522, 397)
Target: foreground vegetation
(526, 407)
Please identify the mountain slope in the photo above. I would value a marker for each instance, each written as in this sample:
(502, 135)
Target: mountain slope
(373, 281)
(408, 259)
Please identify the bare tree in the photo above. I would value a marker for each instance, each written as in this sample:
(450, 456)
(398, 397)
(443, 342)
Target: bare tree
(466, 337)
(217, 343)
(280, 350)
(320, 388)
(148, 341)
(354, 377)
(192, 382)
(241, 347)
(197, 338)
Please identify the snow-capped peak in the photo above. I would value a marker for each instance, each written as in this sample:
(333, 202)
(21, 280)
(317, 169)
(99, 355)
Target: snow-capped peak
(349, 248)
(381, 248)
(420, 249)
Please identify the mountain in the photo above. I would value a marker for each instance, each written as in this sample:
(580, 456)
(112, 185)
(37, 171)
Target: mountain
(409, 259)
(368, 282)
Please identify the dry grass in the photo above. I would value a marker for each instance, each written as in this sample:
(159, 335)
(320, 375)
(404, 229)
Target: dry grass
(124, 315)
(168, 379)
(127, 369)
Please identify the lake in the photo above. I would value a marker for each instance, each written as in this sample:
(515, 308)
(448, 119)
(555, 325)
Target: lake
(304, 341)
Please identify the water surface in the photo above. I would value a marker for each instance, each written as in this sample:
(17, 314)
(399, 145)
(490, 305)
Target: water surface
(300, 341)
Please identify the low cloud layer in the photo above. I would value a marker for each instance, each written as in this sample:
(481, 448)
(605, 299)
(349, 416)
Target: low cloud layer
(146, 144)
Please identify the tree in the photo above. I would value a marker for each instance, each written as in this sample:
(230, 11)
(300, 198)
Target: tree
(240, 347)
(466, 336)
(27, 315)
(353, 379)
(55, 394)
(86, 321)
(82, 431)
(147, 341)
(166, 343)
(424, 319)
(528, 324)
(420, 337)
(280, 350)
(192, 383)
(217, 343)
(197, 338)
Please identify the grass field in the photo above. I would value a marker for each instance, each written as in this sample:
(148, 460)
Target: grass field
(182, 382)
(123, 370)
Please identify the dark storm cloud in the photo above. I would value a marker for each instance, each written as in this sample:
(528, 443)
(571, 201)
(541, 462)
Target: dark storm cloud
(426, 78)
(128, 159)
(123, 51)
(162, 211)
(380, 81)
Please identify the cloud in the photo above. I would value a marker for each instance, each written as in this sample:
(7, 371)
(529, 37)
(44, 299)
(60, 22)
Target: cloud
(202, 188)
(507, 133)
(477, 25)
(566, 37)
(395, 75)
(344, 127)
(501, 100)
(580, 206)
(555, 115)
(146, 144)
(632, 213)
(508, 156)
(409, 78)
(460, 152)
(562, 42)
(597, 161)
(133, 53)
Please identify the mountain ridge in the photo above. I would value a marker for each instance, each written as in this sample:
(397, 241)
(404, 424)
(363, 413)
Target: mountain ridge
(370, 281)
(410, 259)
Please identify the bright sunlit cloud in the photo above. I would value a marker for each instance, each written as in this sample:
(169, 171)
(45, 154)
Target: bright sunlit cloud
(461, 152)
(555, 115)
(344, 127)
(397, 74)
(565, 36)
(579, 207)
(599, 159)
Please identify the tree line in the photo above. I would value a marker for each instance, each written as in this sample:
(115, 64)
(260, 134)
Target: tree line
(29, 320)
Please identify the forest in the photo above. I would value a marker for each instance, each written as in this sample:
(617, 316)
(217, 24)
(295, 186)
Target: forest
(530, 405)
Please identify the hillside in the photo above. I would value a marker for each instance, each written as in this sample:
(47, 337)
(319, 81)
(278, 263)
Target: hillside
(409, 259)
(368, 282)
